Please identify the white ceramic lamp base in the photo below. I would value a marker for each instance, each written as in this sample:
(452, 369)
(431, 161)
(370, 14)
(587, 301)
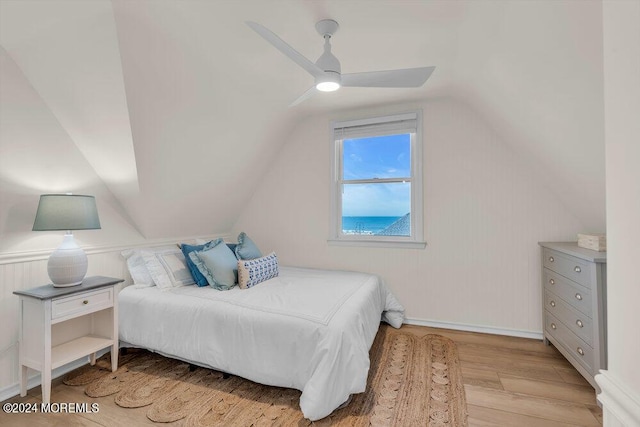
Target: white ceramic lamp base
(68, 264)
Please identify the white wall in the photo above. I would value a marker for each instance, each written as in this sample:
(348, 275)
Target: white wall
(37, 156)
(485, 211)
(620, 383)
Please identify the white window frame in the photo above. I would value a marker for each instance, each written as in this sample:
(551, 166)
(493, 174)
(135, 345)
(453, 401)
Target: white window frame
(408, 122)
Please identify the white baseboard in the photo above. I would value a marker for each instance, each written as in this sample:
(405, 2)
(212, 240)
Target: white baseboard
(620, 405)
(35, 379)
(475, 328)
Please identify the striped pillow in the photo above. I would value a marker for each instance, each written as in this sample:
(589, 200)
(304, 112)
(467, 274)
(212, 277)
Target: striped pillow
(254, 271)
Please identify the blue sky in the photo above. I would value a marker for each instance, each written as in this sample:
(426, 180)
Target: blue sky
(377, 157)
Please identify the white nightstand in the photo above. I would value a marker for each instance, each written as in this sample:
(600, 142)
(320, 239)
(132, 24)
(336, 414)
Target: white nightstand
(60, 325)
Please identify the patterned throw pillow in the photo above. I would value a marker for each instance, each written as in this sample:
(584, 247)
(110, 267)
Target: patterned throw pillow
(254, 271)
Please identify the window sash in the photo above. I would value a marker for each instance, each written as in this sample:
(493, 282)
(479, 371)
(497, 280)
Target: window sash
(349, 236)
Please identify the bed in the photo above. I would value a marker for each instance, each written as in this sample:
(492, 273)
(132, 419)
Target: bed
(306, 329)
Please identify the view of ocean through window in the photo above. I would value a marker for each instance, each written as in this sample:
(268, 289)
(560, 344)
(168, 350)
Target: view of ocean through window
(376, 190)
(366, 224)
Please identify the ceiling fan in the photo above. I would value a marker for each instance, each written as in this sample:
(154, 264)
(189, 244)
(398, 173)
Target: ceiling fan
(326, 70)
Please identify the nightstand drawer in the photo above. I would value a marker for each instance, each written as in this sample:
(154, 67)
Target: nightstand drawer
(84, 303)
(571, 267)
(578, 296)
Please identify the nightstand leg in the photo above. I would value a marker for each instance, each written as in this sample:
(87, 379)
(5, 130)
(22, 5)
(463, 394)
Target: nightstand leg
(92, 359)
(46, 385)
(114, 357)
(546, 341)
(23, 381)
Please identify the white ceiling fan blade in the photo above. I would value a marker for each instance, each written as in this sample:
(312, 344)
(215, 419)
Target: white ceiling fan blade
(409, 77)
(308, 94)
(283, 47)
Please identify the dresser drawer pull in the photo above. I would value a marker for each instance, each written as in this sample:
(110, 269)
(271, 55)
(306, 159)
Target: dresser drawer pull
(577, 269)
(579, 323)
(579, 297)
(553, 282)
(551, 259)
(580, 351)
(552, 303)
(553, 326)
(85, 302)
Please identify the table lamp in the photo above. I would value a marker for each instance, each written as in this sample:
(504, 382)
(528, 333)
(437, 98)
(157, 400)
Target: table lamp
(67, 265)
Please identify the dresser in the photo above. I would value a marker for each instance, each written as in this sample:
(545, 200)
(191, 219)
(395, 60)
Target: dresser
(60, 325)
(574, 292)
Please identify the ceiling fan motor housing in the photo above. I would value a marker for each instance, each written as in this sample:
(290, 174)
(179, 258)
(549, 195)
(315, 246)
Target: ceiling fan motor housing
(328, 62)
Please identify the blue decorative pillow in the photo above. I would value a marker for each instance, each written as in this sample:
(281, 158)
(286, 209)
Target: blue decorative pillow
(217, 264)
(246, 249)
(186, 250)
(254, 271)
(232, 246)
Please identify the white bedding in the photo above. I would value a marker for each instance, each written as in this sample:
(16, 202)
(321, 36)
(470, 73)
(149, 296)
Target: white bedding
(305, 329)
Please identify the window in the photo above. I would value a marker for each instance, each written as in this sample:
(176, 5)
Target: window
(377, 181)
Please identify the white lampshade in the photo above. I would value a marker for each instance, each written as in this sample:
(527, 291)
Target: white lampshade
(68, 264)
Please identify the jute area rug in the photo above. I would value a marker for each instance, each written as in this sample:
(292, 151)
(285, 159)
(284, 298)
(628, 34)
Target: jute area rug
(413, 381)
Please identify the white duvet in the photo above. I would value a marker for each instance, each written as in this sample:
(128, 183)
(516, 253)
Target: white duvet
(305, 329)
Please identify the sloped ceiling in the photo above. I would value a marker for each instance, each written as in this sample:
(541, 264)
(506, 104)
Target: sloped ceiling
(179, 106)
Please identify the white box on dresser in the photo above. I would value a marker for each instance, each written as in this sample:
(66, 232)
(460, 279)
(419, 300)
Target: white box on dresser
(574, 292)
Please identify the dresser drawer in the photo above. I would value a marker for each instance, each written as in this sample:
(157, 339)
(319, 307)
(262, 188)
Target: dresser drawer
(577, 348)
(577, 296)
(83, 303)
(571, 267)
(577, 322)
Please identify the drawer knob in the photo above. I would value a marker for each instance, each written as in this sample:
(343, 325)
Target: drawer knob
(553, 326)
(552, 303)
(577, 269)
(553, 282)
(579, 323)
(551, 259)
(580, 351)
(579, 297)
(85, 302)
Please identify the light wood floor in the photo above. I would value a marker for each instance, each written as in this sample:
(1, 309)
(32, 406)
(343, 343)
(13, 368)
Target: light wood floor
(508, 382)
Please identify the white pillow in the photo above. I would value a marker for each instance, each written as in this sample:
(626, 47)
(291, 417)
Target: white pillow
(167, 267)
(137, 268)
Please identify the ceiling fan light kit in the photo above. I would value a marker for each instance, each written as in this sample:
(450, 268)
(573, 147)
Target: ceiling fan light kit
(329, 82)
(327, 71)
